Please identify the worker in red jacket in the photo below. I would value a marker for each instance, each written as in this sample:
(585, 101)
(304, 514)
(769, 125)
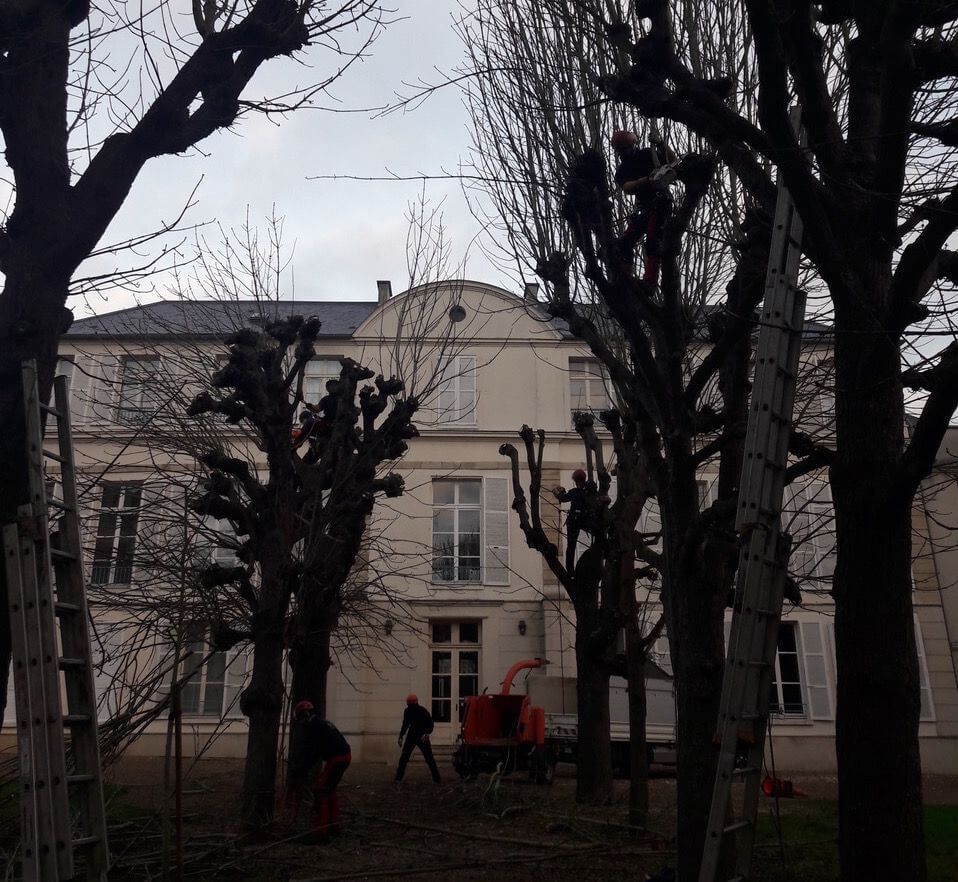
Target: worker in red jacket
(417, 727)
(325, 760)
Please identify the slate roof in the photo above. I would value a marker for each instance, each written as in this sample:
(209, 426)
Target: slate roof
(213, 318)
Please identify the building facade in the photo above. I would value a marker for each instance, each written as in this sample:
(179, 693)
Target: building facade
(461, 595)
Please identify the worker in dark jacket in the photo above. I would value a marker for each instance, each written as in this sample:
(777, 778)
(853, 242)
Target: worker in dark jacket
(324, 762)
(417, 727)
(645, 173)
(576, 497)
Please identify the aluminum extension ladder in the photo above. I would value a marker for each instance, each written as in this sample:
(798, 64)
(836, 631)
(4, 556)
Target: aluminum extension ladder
(50, 637)
(763, 559)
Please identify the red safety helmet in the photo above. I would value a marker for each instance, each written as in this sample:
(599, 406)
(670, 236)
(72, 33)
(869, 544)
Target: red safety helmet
(579, 475)
(302, 708)
(623, 140)
(412, 698)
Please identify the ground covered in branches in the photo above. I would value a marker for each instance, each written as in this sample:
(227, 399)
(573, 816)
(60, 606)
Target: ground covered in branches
(467, 830)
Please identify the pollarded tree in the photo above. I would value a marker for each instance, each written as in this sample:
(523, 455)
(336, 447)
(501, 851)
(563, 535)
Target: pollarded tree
(331, 487)
(602, 586)
(78, 135)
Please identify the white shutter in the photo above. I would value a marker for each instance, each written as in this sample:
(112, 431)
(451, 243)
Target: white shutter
(495, 509)
(816, 664)
(104, 376)
(237, 660)
(927, 709)
(466, 381)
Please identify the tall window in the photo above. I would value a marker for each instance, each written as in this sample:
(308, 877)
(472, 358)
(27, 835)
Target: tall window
(456, 401)
(116, 535)
(213, 688)
(588, 386)
(456, 531)
(139, 397)
(785, 696)
(455, 666)
(318, 372)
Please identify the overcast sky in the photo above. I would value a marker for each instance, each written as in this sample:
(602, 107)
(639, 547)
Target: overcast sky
(347, 233)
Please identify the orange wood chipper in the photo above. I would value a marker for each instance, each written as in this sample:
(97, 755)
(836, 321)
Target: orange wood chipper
(506, 730)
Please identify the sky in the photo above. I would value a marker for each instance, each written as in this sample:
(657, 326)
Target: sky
(344, 234)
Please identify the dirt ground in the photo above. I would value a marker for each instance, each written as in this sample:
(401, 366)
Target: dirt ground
(473, 830)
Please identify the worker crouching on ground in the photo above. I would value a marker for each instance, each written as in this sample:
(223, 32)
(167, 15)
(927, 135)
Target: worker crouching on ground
(325, 758)
(417, 727)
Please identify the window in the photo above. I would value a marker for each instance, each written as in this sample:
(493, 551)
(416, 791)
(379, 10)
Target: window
(222, 539)
(588, 386)
(456, 532)
(455, 666)
(116, 535)
(808, 517)
(213, 688)
(318, 372)
(139, 398)
(470, 531)
(785, 693)
(456, 402)
(804, 672)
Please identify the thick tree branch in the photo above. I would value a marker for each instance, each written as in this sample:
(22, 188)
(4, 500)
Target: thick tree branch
(941, 382)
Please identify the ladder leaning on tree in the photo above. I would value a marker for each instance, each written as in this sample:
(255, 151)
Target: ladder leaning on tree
(763, 560)
(41, 553)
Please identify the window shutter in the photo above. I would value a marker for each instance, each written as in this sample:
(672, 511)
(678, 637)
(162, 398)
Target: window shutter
(236, 663)
(927, 709)
(495, 505)
(105, 373)
(466, 403)
(816, 662)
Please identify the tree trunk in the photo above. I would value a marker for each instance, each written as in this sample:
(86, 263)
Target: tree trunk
(311, 663)
(635, 658)
(594, 751)
(262, 704)
(694, 616)
(881, 832)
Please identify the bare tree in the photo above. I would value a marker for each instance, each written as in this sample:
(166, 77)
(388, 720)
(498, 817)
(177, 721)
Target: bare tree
(87, 97)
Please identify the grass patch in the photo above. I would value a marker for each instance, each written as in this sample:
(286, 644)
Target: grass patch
(809, 830)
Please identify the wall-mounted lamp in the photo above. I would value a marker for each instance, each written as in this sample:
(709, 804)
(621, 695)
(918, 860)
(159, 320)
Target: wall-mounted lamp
(522, 627)
(388, 626)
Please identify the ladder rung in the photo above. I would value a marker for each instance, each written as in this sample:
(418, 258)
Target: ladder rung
(80, 779)
(71, 663)
(60, 554)
(739, 825)
(85, 841)
(76, 719)
(49, 454)
(744, 773)
(62, 606)
(46, 408)
(60, 505)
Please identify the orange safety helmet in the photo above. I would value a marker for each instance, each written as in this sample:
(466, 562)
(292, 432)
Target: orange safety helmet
(579, 475)
(412, 698)
(302, 708)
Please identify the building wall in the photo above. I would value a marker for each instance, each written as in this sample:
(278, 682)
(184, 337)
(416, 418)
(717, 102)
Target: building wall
(522, 378)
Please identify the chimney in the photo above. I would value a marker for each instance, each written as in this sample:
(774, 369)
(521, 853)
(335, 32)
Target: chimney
(385, 289)
(531, 292)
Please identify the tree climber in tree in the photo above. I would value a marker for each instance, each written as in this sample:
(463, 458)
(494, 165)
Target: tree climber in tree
(325, 759)
(577, 498)
(645, 173)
